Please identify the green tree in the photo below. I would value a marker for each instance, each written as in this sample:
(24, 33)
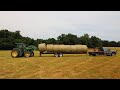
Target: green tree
(51, 41)
(118, 43)
(85, 40)
(60, 38)
(17, 35)
(105, 43)
(68, 39)
(113, 44)
(96, 42)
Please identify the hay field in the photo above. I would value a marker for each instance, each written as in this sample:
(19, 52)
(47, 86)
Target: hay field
(71, 66)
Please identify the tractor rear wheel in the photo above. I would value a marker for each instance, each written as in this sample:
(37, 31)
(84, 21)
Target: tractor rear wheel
(27, 54)
(14, 53)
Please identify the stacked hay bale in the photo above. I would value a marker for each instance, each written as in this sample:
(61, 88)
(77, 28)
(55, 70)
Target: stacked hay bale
(42, 47)
(73, 48)
(56, 48)
(50, 47)
(63, 48)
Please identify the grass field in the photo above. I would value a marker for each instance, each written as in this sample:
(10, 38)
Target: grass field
(71, 66)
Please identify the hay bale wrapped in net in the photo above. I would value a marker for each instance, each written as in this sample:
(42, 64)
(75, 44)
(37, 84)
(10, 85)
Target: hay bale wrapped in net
(73, 48)
(50, 47)
(62, 48)
(78, 48)
(67, 48)
(56, 48)
(81, 48)
(84, 48)
(42, 47)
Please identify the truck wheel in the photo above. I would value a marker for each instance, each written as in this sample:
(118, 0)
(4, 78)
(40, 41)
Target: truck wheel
(111, 54)
(114, 53)
(14, 53)
(27, 54)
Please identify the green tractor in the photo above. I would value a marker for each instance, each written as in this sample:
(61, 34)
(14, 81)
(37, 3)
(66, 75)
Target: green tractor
(21, 50)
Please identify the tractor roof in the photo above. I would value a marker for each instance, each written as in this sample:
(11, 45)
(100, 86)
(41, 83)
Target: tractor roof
(20, 43)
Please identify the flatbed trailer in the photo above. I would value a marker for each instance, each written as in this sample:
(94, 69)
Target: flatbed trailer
(96, 53)
(60, 54)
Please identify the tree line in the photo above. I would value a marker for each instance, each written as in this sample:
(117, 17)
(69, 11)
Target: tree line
(8, 40)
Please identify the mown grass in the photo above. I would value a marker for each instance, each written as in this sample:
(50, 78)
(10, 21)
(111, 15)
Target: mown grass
(71, 66)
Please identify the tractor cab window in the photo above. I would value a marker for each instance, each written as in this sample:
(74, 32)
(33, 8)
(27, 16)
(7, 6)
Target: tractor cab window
(20, 46)
(24, 46)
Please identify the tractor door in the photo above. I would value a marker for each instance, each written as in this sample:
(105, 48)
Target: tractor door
(21, 47)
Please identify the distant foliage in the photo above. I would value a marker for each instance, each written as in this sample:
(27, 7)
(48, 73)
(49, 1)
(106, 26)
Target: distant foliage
(8, 40)
(68, 39)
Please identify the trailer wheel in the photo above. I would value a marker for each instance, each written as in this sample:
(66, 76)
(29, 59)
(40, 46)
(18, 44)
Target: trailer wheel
(61, 55)
(56, 55)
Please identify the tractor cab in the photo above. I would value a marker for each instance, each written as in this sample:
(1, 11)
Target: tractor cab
(20, 45)
(21, 50)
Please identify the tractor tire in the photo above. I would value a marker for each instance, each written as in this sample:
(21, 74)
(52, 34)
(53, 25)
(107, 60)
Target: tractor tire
(14, 53)
(31, 54)
(27, 54)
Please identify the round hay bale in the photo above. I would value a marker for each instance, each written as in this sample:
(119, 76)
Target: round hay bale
(62, 48)
(42, 47)
(67, 48)
(56, 48)
(78, 48)
(73, 48)
(50, 47)
(84, 48)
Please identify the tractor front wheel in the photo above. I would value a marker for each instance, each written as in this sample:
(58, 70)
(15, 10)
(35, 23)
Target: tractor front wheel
(32, 54)
(14, 53)
(27, 54)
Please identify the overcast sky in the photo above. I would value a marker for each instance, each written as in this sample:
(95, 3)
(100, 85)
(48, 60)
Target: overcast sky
(50, 24)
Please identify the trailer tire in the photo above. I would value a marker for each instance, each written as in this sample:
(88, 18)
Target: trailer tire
(56, 55)
(61, 55)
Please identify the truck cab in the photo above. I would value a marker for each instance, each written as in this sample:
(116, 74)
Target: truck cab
(109, 52)
(102, 51)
